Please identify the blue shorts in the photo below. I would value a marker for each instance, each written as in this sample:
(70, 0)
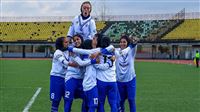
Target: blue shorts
(127, 89)
(74, 89)
(107, 89)
(57, 88)
(91, 97)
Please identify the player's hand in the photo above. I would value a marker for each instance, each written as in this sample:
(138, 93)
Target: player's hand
(98, 60)
(134, 39)
(112, 58)
(94, 55)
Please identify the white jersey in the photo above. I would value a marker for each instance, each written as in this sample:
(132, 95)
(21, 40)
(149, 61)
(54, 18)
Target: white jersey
(105, 75)
(90, 76)
(89, 80)
(59, 63)
(86, 28)
(125, 64)
(76, 72)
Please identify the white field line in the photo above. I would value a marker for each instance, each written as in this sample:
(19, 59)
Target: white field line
(32, 100)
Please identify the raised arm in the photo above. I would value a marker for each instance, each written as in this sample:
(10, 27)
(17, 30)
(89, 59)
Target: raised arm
(85, 62)
(91, 51)
(85, 51)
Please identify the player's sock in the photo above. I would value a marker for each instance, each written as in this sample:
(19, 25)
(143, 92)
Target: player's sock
(68, 104)
(113, 107)
(100, 108)
(92, 109)
(54, 106)
(132, 105)
(121, 109)
(84, 107)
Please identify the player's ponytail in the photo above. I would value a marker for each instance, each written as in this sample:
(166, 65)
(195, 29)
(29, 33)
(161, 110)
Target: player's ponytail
(87, 44)
(105, 42)
(59, 43)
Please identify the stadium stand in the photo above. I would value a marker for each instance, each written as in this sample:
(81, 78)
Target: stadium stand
(141, 29)
(33, 31)
(100, 25)
(144, 29)
(36, 31)
(189, 30)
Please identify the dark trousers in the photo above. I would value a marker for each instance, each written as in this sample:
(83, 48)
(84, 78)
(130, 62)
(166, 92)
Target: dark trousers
(197, 62)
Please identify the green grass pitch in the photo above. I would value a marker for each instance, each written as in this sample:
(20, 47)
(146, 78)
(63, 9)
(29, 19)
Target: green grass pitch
(161, 87)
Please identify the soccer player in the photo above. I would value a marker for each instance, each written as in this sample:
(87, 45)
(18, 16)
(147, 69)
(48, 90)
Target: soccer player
(197, 55)
(89, 82)
(83, 24)
(90, 76)
(60, 64)
(74, 77)
(106, 80)
(126, 76)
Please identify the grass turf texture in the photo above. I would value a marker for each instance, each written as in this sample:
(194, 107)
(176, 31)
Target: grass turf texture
(161, 87)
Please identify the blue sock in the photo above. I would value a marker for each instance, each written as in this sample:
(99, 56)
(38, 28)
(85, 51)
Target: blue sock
(132, 105)
(92, 109)
(68, 104)
(54, 106)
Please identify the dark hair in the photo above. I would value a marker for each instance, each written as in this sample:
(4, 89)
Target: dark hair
(87, 44)
(59, 43)
(126, 38)
(86, 2)
(78, 35)
(99, 37)
(105, 42)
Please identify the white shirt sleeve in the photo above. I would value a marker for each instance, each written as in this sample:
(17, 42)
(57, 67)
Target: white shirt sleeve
(103, 66)
(93, 30)
(110, 48)
(82, 62)
(85, 51)
(71, 30)
(134, 51)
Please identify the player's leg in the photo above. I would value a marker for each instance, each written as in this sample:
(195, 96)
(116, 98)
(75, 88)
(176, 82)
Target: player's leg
(197, 62)
(79, 93)
(123, 95)
(112, 96)
(92, 99)
(118, 100)
(56, 92)
(70, 86)
(102, 95)
(63, 92)
(131, 90)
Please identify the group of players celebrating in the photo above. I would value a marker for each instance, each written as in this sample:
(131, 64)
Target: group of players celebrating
(90, 68)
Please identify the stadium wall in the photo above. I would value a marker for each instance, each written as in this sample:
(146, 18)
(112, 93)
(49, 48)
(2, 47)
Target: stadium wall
(144, 50)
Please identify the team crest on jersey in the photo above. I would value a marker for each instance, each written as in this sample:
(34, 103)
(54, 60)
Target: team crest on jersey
(76, 22)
